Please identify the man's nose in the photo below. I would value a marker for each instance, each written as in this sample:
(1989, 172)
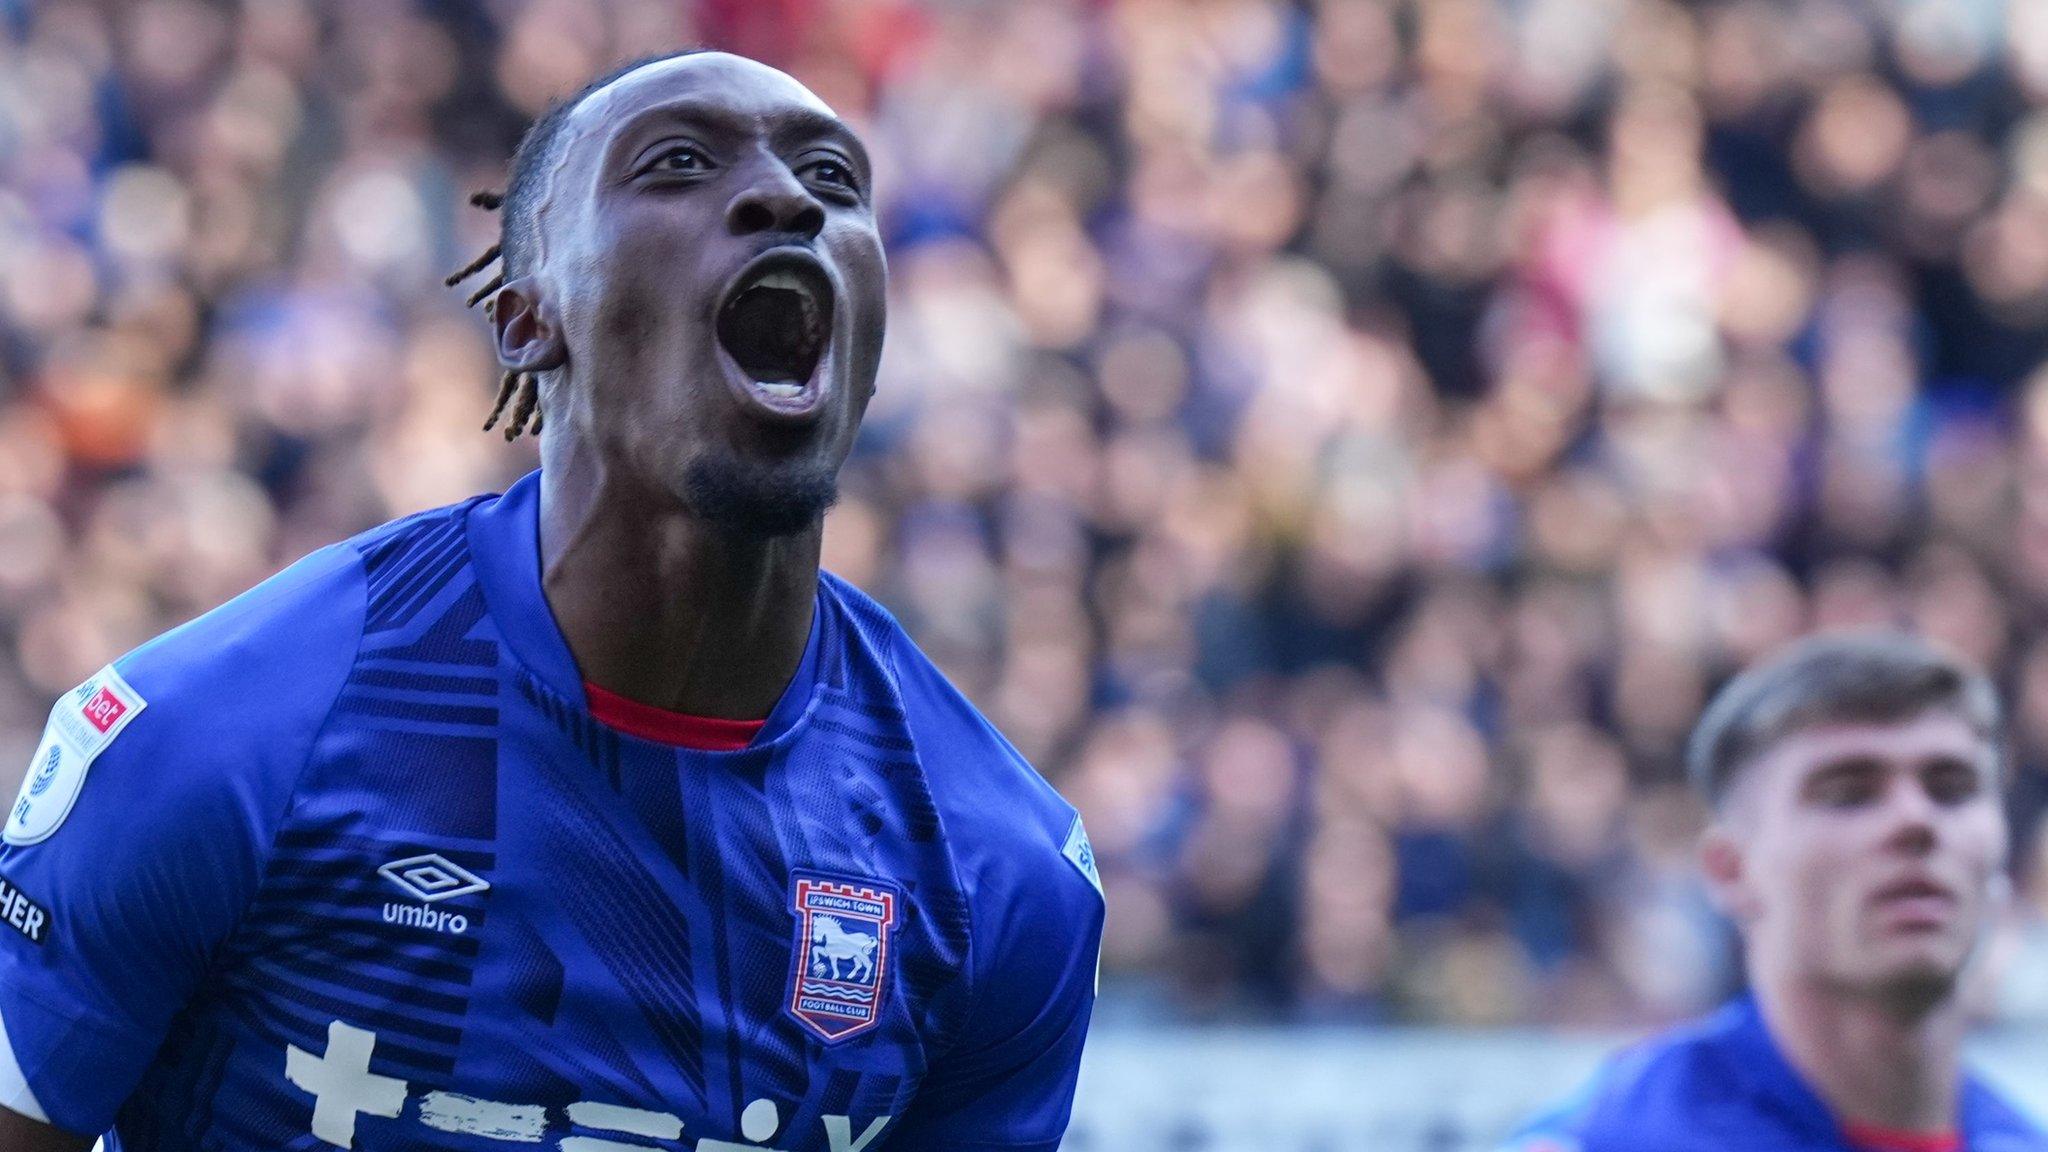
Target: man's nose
(1913, 816)
(775, 201)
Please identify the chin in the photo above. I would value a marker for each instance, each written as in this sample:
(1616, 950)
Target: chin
(1923, 974)
(760, 501)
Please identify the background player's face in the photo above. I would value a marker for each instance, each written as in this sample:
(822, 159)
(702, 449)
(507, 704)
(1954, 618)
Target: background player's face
(709, 251)
(1865, 855)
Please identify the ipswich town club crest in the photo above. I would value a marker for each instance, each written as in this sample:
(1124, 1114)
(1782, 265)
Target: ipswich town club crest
(842, 953)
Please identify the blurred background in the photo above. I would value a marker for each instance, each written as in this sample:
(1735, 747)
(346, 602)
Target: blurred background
(1341, 442)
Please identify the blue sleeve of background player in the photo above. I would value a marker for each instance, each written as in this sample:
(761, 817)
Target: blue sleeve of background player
(1562, 1129)
(1626, 1104)
(141, 830)
(1007, 1083)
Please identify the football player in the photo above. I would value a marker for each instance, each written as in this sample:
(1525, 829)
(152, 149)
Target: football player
(1859, 844)
(589, 815)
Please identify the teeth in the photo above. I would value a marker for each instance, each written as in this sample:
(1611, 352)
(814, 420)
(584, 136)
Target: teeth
(784, 279)
(780, 389)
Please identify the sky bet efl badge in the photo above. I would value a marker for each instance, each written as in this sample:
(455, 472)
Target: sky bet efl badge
(842, 953)
(82, 724)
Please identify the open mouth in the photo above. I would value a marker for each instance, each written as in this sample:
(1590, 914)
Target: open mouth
(776, 323)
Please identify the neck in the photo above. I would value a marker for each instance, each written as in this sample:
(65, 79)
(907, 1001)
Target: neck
(660, 607)
(1887, 1061)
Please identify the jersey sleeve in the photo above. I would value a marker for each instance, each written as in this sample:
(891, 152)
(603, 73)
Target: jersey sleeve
(1567, 1124)
(141, 829)
(1006, 1083)
(1628, 1104)
(1558, 1131)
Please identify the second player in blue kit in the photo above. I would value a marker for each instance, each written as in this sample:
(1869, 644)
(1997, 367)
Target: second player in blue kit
(1859, 843)
(592, 815)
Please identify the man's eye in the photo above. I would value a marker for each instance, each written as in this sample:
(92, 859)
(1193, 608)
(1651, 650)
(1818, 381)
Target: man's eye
(1844, 790)
(1952, 785)
(679, 159)
(833, 174)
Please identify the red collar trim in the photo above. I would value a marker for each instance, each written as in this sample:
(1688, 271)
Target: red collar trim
(677, 729)
(1871, 1138)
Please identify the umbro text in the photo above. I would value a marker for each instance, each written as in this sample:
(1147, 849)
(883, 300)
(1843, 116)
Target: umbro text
(420, 916)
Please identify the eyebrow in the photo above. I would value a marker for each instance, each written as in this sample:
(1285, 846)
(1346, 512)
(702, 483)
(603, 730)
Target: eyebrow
(1946, 760)
(1860, 762)
(792, 124)
(1847, 764)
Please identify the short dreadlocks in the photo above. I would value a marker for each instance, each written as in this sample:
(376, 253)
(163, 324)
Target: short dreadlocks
(518, 233)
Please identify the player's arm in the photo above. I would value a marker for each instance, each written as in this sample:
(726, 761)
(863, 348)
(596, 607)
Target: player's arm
(126, 860)
(140, 835)
(1008, 1084)
(1005, 1081)
(18, 1133)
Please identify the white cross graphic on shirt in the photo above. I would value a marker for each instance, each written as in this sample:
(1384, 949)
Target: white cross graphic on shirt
(343, 1088)
(342, 1084)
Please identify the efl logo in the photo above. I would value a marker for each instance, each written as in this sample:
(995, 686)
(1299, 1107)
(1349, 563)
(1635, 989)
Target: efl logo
(104, 710)
(47, 774)
(842, 954)
(83, 722)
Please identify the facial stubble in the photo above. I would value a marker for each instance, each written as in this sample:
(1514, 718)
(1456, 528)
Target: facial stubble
(753, 500)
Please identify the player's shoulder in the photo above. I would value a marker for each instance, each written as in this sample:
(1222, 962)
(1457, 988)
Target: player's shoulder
(962, 751)
(1662, 1094)
(207, 726)
(1994, 1124)
(278, 652)
(251, 681)
(258, 660)
(995, 806)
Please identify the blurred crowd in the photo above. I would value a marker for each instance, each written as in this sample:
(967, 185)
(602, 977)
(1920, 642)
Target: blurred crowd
(1342, 443)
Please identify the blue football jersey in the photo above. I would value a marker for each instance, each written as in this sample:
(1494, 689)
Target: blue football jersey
(1722, 1084)
(348, 863)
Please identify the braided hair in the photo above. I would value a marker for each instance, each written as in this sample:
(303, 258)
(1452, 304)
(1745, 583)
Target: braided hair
(518, 227)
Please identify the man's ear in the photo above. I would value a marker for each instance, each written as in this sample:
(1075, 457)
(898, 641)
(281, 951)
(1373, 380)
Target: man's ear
(1724, 862)
(523, 322)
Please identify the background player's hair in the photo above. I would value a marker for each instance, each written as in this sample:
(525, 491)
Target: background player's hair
(1857, 676)
(518, 232)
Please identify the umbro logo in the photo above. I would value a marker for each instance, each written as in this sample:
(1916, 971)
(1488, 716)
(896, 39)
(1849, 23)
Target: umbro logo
(433, 878)
(429, 879)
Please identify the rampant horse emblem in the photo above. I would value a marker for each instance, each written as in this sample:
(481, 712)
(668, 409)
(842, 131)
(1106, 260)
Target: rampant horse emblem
(842, 953)
(831, 943)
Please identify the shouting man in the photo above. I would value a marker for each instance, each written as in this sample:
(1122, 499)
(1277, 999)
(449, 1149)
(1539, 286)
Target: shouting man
(1859, 844)
(592, 814)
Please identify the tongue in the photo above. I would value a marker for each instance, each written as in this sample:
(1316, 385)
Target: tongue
(766, 333)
